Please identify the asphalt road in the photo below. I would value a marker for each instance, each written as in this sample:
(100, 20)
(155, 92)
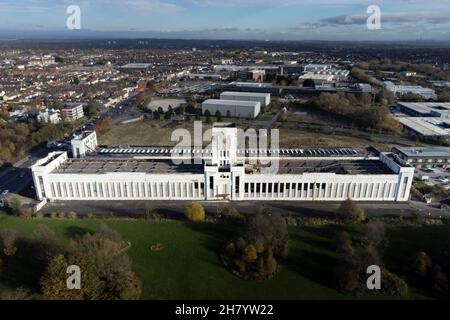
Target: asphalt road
(307, 209)
(18, 177)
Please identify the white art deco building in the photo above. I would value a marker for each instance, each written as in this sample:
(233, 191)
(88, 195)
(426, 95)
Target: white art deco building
(222, 171)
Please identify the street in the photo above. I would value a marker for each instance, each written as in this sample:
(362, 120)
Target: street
(17, 177)
(175, 209)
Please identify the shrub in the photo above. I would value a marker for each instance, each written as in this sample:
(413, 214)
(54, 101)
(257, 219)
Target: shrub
(231, 212)
(39, 215)
(25, 213)
(53, 215)
(349, 211)
(344, 243)
(72, 215)
(14, 205)
(440, 284)
(375, 233)
(195, 212)
(61, 215)
(8, 240)
(392, 284)
(250, 254)
(421, 263)
(347, 273)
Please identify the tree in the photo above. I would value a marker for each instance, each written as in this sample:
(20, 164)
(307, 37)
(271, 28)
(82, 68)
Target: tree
(375, 234)
(349, 211)
(256, 254)
(370, 256)
(53, 282)
(93, 109)
(195, 212)
(250, 254)
(347, 273)
(15, 204)
(344, 244)
(441, 284)
(106, 269)
(392, 284)
(231, 212)
(8, 239)
(20, 294)
(421, 263)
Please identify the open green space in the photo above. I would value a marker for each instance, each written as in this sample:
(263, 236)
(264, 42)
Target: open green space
(189, 267)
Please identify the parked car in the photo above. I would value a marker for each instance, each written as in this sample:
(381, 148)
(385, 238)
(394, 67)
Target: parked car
(5, 192)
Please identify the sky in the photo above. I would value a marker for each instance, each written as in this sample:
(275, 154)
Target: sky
(232, 19)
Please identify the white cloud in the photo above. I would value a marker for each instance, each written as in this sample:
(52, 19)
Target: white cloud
(145, 5)
(313, 2)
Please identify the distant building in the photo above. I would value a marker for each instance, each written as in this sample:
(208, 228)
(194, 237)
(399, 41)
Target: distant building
(427, 126)
(72, 112)
(317, 67)
(426, 109)
(40, 61)
(204, 76)
(428, 119)
(233, 108)
(328, 75)
(424, 157)
(404, 90)
(49, 116)
(136, 66)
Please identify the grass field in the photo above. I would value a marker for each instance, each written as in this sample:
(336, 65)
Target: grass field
(189, 267)
(150, 133)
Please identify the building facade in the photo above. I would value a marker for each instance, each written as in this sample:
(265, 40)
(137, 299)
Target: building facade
(84, 144)
(223, 171)
(72, 112)
(232, 108)
(424, 157)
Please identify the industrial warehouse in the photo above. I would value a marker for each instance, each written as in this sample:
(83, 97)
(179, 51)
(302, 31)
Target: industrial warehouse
(237, 104)
(223, 172)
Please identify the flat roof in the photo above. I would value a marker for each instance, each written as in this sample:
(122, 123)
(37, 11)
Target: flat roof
(245, 94)
(426, 126)
(351, 167)
(137, 65)
(426, 107)
(232, 102)
(425, 151)
(281, 152)
(110, 165)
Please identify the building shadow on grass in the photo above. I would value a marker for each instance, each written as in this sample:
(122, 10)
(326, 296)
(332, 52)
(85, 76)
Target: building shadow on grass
(25, 268)
(217, 234)
(317, 267)
(75, 231)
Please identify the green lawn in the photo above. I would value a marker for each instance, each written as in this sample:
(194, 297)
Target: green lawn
(189, 268)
